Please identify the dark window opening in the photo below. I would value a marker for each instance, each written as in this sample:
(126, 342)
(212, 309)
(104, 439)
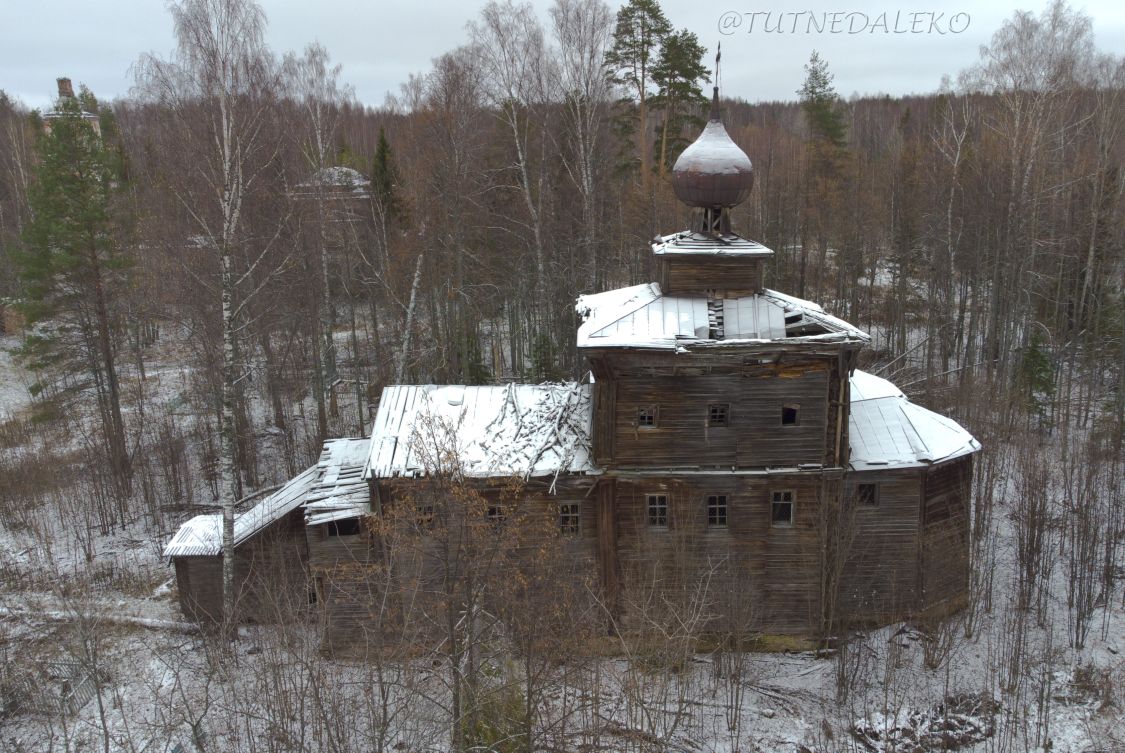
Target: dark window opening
(569, 518)
(867, 494)
(718, 414)
(424, 516)
(495, 514)
(781, 509)
(646, 416)
(345, 527)
(717, 511)
(658, 509)
(789, 414)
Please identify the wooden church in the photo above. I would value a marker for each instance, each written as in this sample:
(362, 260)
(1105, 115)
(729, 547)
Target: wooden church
(724, 434)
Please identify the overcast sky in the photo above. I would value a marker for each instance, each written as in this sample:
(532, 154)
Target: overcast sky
(872, 47)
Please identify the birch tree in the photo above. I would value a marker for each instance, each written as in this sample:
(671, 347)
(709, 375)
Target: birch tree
(582, 30)
(315, 83)
(509, 48)
(217, 92)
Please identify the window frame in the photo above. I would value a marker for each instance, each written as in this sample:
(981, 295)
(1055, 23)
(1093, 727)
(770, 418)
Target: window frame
(723, 409)
(717, 506)
(332, 528)
(570, 520)
(656, 501)
(860, 498)
(424, 517)
(783, 497)
(496, 514)
(651, 413)
(796, 409)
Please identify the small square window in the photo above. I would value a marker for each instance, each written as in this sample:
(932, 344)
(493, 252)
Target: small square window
(495, 514)
(569, 518)
(657, 509)
(789, 413)
(424, 516)
(718, 414)
(717, 511)
(781, 509)
(867, 494)
(646, 416)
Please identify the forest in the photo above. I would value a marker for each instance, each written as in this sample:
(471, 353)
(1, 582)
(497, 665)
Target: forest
(204, 280)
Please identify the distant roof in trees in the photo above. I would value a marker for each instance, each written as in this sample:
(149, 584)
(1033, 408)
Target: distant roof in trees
(338, 178)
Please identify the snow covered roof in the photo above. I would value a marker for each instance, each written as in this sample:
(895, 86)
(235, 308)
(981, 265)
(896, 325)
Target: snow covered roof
(889, 431)
(336, 481)
(197, 537)
(642, 317)
(203, 534)
(514, 430)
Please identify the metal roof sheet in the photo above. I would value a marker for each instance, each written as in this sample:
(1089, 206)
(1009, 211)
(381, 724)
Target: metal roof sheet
(887, 430)
(642, 317)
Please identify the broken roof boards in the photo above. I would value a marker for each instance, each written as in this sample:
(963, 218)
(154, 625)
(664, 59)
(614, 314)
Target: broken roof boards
(334, 483)
(513, 430)
(641, 316)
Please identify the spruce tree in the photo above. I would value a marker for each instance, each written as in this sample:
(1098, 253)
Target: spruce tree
(74, 270)
(819, 102)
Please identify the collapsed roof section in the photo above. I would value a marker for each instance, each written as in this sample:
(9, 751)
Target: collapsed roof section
(203, 535)
(513, 430)
(340, 490)
(334, 484)
(641, 316)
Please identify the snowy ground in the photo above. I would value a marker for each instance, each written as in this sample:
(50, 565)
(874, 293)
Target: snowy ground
(14, 380)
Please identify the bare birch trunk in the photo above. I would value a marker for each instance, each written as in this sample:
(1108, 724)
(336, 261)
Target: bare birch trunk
(400, 367)
(227, 470)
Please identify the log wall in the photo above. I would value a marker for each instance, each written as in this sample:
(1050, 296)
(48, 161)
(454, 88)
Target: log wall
(728, 277)
(270, 575)
(751, 573)
(754, 435)
(945, 535)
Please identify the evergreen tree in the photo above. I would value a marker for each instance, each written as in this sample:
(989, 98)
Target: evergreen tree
(824, 189)
(74, 269)
(677, 75)
(384, 180)
(640, 32)
(819, 102)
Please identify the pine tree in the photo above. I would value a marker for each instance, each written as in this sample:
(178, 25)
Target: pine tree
(677, 75)
(74, 269)
(639, 34)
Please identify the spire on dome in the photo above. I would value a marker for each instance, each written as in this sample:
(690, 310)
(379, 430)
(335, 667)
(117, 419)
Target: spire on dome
(713, 173)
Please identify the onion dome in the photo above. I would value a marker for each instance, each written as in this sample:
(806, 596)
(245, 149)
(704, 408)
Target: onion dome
(713, 172)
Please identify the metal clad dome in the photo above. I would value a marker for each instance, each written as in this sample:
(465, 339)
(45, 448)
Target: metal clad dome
(713, 171)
